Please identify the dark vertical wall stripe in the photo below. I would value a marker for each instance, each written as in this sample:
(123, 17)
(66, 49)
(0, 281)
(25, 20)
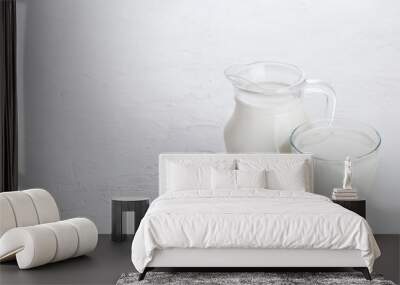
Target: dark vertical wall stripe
(8, 119)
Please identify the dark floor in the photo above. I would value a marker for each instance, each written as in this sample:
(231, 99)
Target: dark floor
(110, 260)
(103, 266)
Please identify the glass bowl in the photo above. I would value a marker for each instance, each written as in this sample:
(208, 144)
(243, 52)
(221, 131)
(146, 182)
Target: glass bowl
(330, 142)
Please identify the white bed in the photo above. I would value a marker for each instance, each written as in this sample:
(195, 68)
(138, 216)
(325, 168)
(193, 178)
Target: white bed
(249, 227)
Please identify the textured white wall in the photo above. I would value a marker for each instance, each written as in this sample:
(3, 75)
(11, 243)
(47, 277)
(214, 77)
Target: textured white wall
(107, 85)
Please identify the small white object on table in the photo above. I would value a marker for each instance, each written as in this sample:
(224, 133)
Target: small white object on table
(344, 194)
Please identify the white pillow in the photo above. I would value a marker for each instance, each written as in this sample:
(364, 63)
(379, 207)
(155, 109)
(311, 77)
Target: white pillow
(227, 179)
(251, 178)
(188, 177)
(223, 179)
(282, 174)
(293, 179)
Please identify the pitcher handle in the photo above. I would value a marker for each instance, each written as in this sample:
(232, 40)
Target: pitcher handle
(323, 88)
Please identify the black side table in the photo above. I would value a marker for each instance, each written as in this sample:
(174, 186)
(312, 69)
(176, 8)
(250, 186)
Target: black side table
(357, 206)
(122, 204)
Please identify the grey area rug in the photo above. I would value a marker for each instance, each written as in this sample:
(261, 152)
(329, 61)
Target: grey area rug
(228, 278)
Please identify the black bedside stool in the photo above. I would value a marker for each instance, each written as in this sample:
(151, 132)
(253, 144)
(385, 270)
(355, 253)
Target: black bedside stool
(139, 205)
(357, 206)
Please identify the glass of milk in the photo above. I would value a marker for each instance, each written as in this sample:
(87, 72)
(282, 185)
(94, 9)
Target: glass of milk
(331, 142)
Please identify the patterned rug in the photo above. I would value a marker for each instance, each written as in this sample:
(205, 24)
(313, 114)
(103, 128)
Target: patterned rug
(269, 278)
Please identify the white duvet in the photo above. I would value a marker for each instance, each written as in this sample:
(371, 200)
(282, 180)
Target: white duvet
(250, 219)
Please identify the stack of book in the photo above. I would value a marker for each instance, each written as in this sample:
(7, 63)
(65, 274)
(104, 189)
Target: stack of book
(344, 194)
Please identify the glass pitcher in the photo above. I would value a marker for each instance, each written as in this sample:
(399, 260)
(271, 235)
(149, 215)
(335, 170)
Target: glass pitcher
(269, 105)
